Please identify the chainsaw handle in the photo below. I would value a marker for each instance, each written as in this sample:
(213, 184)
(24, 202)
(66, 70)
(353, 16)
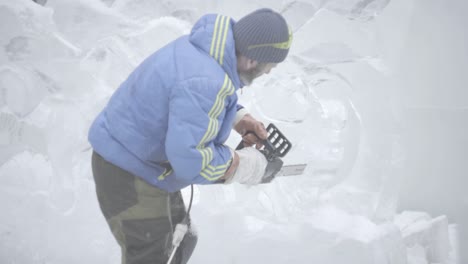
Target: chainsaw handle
(241, 143)
(275, 146)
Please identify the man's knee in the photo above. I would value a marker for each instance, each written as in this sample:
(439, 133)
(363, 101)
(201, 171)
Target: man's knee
(188, 245)
(146, 240)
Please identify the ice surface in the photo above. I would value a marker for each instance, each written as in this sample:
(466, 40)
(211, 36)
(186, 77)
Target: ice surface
(77, 21)
(357, 9)
(333, 97)
(17, 135)
(419, 229)
(305, 231)
(23, 89)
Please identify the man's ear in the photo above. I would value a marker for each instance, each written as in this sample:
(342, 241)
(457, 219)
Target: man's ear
(251, 64)
(245, 64)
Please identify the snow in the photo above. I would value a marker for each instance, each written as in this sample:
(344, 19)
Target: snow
(61, 60)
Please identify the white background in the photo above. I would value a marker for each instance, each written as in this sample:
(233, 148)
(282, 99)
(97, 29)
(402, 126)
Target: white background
(372, 96)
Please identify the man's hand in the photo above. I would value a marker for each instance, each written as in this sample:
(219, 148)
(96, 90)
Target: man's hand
(253, 132)
(250, 167)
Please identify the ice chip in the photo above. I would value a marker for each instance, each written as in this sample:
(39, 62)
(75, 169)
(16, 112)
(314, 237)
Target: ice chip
(17, 48)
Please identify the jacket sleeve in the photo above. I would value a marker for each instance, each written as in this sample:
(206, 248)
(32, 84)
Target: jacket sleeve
(196, 113)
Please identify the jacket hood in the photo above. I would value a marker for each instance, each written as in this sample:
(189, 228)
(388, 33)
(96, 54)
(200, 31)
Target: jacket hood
(213, 35)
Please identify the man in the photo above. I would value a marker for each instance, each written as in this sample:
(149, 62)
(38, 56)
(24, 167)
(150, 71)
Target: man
(165, 127)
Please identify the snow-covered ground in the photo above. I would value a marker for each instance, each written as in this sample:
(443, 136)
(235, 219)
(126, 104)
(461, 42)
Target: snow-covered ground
(337, 98)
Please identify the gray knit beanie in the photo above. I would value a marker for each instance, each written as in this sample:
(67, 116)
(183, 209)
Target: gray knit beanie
(263, 35)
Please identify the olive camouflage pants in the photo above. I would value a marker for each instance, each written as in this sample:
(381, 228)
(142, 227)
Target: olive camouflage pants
(138, 215)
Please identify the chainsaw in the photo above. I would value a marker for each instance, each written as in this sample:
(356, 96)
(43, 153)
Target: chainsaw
(275, 147)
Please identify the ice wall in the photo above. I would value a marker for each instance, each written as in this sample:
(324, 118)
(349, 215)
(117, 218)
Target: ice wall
(345, 97)
(434, 113)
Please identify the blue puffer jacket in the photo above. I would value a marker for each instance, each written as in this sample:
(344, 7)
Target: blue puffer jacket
(168, 121)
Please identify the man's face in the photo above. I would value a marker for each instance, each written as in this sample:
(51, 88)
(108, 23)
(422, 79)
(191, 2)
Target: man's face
(247, 76)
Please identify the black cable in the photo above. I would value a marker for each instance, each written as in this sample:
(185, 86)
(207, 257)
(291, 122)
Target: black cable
(191, 199)
(187, 215)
